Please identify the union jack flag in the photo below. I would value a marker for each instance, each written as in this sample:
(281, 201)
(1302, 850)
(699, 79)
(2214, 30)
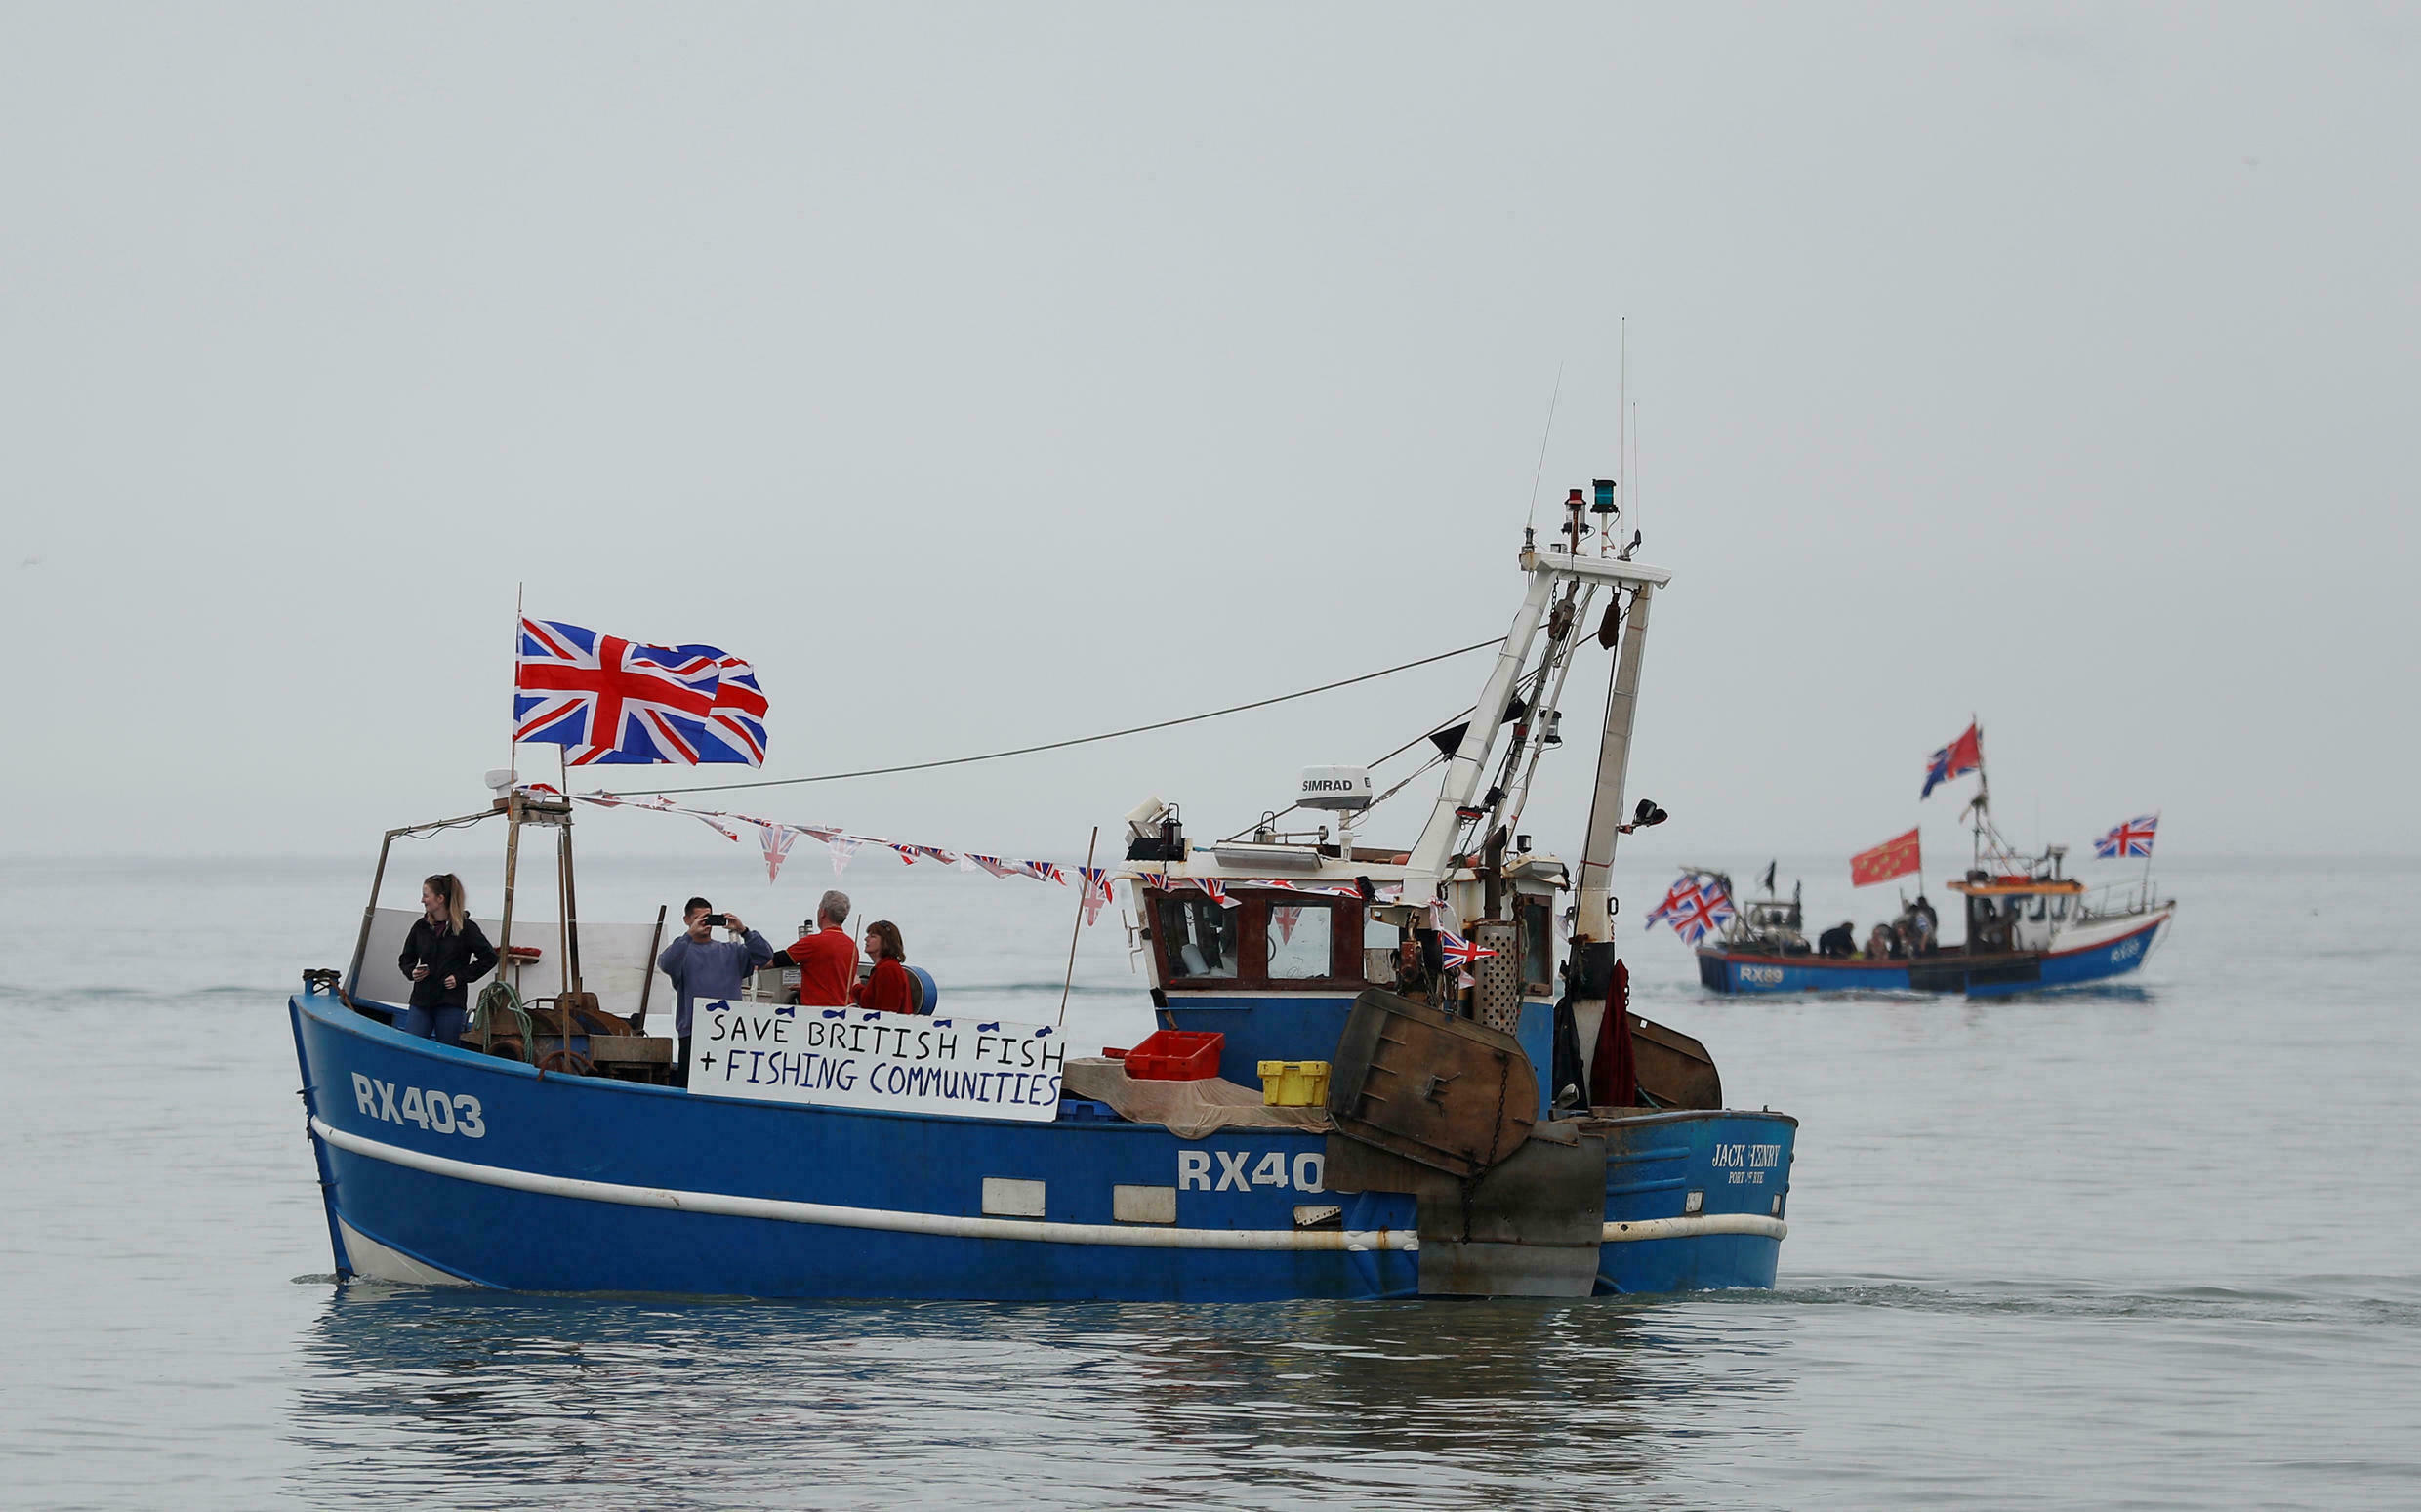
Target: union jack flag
(616, 702)
(838, 849)
(739, 718)
(777, 839)
(1096, 890)
(1458, 952)
(2131, 839)
(1694, 907)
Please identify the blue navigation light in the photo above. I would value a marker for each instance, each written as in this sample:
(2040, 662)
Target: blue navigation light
(1604, 496)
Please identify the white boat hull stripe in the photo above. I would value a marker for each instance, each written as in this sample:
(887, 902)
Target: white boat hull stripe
(1692, 1227)
(831, 1215)
(947, 1225)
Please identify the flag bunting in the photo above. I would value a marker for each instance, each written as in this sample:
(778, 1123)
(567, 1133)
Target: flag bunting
(777, 838)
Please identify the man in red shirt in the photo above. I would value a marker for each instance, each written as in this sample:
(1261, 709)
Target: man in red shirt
(827, 960)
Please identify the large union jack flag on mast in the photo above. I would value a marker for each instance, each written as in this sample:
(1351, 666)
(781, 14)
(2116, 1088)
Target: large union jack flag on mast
(616, 702)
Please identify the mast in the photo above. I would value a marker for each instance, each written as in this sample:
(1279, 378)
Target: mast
(1463, 770)
(1429, 856)
(1614, 754)
(1981, 806)
(1564, 635)
(1575, 607)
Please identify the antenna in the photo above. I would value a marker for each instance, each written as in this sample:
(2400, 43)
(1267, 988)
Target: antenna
(513, 747)
(1539, 471)
(1621, 417)
(1635, 447)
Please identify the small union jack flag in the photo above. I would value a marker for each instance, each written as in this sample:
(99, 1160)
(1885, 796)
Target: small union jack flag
(1694, 906)
(1097, 892)
(616, 702)
(2131, 839)
(777, 839)
(1458, 952)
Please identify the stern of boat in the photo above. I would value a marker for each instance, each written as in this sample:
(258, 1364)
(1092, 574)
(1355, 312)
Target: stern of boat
(1695, 1200)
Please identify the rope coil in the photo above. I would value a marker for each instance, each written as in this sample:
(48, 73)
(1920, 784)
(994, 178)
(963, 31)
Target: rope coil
(500, 998)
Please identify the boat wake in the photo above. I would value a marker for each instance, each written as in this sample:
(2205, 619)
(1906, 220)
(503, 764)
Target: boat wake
(2384, 1302)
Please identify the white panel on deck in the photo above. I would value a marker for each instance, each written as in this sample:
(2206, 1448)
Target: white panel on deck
(1143, 1204)
(1005, 1196)
(613, 961)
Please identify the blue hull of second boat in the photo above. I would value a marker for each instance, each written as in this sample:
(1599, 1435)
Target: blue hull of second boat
(1742, 971)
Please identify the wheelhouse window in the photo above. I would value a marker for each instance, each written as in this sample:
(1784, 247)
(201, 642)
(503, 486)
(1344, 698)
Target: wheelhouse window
(2059, 906)
(1200, 937)
(1379, 942)
(1302, 941)
(1538, 943)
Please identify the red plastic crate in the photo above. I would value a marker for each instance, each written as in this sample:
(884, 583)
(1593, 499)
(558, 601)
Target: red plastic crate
(1177, 1055)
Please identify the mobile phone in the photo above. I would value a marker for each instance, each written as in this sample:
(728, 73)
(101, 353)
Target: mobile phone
(717, 921)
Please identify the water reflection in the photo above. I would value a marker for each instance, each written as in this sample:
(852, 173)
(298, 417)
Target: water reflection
(517, 1400)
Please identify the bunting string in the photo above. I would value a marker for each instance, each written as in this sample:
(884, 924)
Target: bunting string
(777, 838)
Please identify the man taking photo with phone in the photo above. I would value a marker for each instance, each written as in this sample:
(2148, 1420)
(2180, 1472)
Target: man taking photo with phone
(704, 970)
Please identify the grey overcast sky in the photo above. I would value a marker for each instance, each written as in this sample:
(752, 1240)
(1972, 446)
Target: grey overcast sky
(989, 374)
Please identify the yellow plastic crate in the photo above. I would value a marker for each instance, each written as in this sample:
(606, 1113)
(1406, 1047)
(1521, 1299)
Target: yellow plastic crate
(1294, 1084)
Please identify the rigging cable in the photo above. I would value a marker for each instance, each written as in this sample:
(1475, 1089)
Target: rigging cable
(1061, 745)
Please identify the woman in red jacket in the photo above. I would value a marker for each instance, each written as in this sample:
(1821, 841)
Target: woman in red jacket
(889, 988)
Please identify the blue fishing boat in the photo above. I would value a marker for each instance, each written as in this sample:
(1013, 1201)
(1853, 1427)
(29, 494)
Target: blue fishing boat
(845, 1154)
(2030, 927)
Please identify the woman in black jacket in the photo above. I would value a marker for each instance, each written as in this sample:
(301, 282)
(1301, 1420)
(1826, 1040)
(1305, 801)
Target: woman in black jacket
(443, 954)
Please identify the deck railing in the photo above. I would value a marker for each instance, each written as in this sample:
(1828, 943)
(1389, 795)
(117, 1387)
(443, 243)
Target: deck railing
(2117, 900)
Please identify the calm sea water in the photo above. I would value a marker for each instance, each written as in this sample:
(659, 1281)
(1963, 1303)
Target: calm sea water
(2155, 1245)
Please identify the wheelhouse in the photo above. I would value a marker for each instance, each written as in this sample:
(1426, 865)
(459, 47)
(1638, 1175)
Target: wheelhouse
(1274, 964)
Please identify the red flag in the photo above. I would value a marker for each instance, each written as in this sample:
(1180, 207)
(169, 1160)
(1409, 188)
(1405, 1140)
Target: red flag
(1899, 856)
